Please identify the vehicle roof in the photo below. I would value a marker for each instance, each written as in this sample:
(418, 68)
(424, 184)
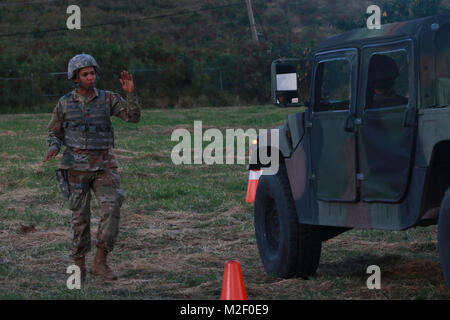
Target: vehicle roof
(406, 29)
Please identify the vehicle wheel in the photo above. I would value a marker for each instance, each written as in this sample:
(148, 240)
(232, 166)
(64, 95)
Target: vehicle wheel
(287, 248)
(444, 236)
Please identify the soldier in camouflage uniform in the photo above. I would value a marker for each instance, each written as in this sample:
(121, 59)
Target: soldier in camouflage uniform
(382, 75)
(81, 121)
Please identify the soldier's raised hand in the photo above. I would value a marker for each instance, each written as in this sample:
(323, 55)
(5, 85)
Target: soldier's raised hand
(126, 81)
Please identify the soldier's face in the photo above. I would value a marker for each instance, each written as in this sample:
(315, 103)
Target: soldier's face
(87, 77)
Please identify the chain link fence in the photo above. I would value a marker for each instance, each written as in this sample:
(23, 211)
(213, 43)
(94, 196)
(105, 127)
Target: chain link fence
(150, 83)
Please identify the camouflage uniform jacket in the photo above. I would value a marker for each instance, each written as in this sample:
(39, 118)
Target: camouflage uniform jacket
(90, 160)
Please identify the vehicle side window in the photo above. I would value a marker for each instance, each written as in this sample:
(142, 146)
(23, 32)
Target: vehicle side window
(443, 66)
(388, 80)
(333, 86)
(443, 53)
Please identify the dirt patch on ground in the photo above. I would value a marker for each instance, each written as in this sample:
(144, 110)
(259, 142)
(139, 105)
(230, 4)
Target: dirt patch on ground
(9, 157)
(158, 156)
(7, 133)
(35, 235)
(38, 167)
(181, 255)
(364, 243)
(413, 269)
(32, 240)
(154, 130)
(124, 151)
(127, 154)
(24, 195)
(23, 229)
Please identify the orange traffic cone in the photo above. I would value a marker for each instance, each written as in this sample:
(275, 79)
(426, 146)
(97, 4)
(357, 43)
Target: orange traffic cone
(233, 283)
(252, 185)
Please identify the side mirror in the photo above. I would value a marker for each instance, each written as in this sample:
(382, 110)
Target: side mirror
(285, 82)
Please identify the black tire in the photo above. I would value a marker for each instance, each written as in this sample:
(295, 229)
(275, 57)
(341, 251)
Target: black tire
(287, 248)
(444, 237)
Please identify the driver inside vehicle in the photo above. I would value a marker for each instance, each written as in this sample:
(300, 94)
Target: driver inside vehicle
(383, 72)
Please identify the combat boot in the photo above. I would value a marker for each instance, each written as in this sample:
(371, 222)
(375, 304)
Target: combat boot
(100, 268)
(81, 263)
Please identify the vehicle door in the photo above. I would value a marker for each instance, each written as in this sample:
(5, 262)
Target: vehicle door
(387, 113)
(332, 112)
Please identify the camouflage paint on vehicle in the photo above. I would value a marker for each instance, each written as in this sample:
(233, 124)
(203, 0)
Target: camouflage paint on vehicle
(374, 168)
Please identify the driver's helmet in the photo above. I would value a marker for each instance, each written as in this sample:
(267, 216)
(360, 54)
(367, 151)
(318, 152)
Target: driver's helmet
(383, 70)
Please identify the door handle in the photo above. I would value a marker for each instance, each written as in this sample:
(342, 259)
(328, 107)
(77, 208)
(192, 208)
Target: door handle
(350, 123)
(410, 117)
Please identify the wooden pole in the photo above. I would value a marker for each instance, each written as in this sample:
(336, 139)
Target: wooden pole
(252, 21)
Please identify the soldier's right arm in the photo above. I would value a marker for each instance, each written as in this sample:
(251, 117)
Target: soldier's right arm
(55, 128)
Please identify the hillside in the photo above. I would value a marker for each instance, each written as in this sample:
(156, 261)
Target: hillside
(182, 53)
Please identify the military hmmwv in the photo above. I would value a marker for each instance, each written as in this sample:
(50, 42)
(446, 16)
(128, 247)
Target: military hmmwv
(371, 150)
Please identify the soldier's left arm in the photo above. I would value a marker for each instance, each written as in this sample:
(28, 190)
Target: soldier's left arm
(128, 110)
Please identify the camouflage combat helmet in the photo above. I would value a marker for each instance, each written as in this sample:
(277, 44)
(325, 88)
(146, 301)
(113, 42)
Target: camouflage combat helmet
(80, 61)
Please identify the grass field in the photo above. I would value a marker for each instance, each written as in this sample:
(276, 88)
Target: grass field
(181, 223)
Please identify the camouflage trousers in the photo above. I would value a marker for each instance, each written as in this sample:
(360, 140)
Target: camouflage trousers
(106, 186)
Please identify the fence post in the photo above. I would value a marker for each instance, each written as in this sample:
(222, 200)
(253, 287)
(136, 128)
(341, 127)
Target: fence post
(32, 89)
(220, 78)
